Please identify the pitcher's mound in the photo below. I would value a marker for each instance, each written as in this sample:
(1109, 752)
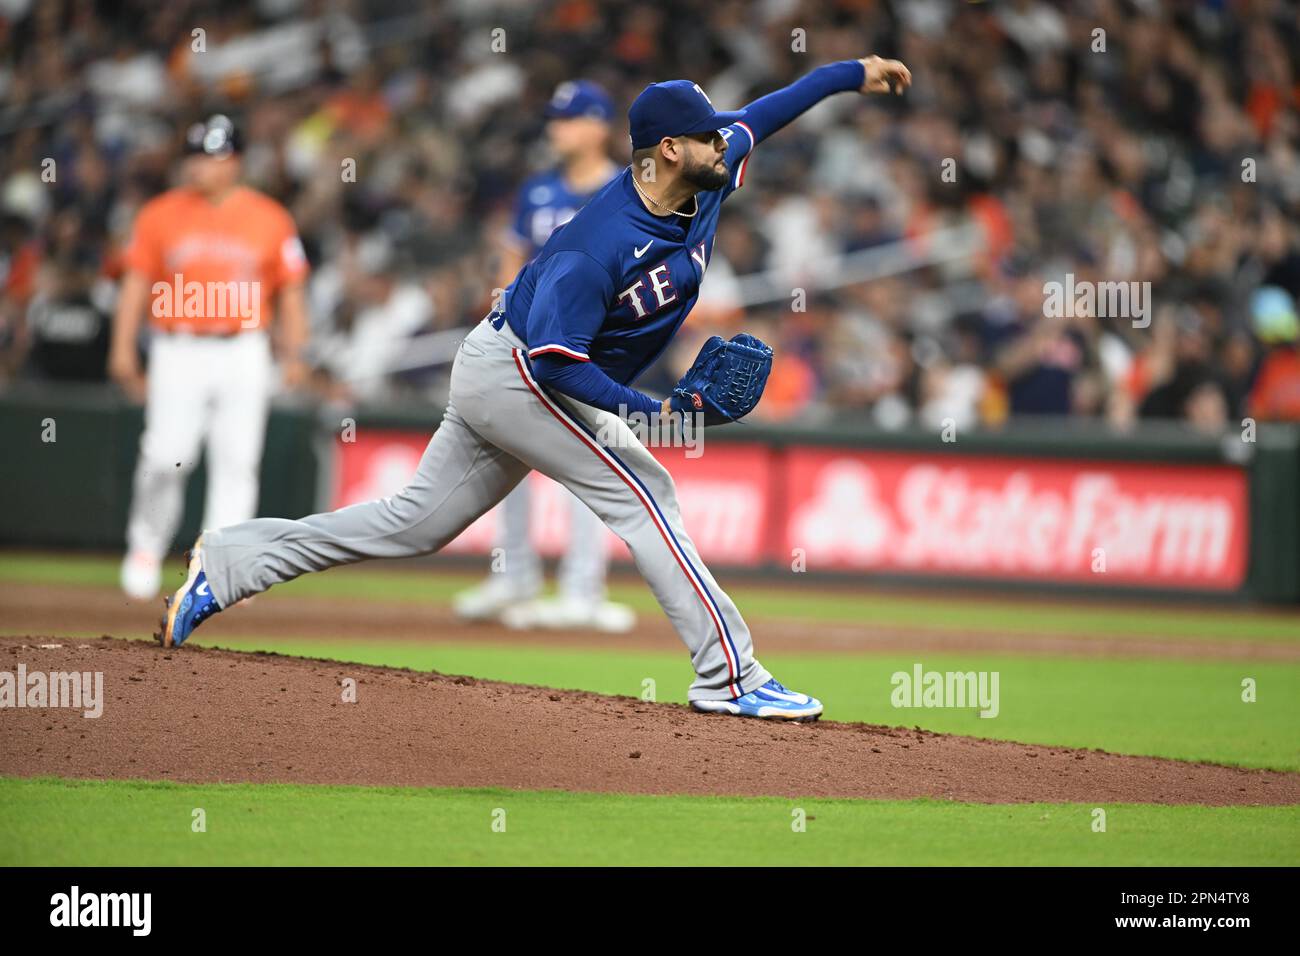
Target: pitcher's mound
(201, 715)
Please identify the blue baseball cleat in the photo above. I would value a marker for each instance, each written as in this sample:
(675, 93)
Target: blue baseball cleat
(771, 701)
(190, 606)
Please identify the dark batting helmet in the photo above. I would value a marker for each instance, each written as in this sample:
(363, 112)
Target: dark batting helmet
(216, 136)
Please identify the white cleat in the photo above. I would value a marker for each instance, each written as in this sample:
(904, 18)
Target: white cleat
(141, 576)
(613, 618)
(487, 601)
(566, 614)
(524, 616)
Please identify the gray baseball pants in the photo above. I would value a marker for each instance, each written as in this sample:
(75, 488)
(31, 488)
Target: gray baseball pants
(500, 424)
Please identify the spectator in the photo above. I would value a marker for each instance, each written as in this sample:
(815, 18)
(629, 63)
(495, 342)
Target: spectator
(67, 323)
(1276, 393)
(1173, 159)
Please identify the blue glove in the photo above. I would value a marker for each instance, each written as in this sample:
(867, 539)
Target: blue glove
(726, 381)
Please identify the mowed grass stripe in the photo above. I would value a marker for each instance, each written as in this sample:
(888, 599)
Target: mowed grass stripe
(797, 601)
(101, 823)
(1184, 710)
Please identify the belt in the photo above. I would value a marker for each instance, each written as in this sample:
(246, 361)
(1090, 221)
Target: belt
(206, 334)
(499, 324)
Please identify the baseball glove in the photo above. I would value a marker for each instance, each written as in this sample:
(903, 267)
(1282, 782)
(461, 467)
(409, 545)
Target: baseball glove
(726, 381)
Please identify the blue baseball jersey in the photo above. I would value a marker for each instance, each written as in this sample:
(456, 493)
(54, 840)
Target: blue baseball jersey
(614, 284)
(546, 202)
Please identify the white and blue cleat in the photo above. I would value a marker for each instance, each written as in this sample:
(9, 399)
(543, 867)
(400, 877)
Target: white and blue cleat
(190, 606)
(771, 701)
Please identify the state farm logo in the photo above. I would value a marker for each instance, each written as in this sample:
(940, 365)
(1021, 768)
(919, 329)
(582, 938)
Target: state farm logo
(845, 520)
(996, 517)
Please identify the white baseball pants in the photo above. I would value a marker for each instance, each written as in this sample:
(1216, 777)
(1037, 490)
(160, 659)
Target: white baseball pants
(584, 564)
(203, 390)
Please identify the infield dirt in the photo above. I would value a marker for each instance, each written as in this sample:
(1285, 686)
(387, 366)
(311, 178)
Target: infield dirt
(204, 715)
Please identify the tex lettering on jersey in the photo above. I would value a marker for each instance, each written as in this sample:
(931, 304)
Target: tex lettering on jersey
(615, 284)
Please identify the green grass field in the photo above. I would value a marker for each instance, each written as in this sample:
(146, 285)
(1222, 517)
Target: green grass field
(1182, 709)
(53, 822)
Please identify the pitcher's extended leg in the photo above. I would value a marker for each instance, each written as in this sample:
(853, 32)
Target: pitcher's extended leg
(459, 478)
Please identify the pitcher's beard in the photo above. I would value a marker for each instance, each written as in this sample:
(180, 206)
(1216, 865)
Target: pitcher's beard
(706, 177)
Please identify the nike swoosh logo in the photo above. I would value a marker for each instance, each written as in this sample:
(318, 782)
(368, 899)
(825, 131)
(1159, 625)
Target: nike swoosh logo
(202, 589)
(638, 253)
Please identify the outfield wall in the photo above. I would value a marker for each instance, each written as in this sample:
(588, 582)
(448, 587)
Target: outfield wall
(1047, 506)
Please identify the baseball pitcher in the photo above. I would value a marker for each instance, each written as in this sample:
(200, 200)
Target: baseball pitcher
(578, 128)
(545, 383)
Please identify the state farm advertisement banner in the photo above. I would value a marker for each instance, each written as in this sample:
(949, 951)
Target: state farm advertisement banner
(1127, 524)
(1151, 525)
(724, 495)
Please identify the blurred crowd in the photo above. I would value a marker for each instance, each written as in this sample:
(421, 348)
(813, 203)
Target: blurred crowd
(1094, 141)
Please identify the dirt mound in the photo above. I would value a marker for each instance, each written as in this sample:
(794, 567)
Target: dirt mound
(201, 715)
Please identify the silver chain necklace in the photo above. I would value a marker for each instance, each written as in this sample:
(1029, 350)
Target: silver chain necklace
(671, 212)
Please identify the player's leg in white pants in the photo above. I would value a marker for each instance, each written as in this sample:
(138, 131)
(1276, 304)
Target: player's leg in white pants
(516, 575)
(241, 394)
(581, 601)
(521, 564)
(175, 418)
(582, 569)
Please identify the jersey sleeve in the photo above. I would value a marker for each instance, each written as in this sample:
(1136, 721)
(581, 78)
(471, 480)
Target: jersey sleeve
(740, 143)
(290, 264)
(519, 232)
(144, 250)
(570, 303)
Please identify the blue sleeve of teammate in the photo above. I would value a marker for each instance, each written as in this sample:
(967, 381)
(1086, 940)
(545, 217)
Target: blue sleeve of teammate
(767, 114)
(588, 383)
(520, 233)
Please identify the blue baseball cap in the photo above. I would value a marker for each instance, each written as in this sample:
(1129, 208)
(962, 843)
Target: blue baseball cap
(580, 98)
(674, 108)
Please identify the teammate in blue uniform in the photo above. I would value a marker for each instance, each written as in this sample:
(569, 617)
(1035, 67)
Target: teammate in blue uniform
(545, 383)
(578, 116)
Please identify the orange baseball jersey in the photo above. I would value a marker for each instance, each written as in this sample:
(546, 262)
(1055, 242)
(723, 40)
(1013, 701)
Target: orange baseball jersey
(214, 269)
